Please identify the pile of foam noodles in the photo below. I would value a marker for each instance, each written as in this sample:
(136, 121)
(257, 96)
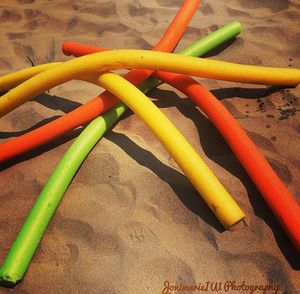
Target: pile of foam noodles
(148, 70)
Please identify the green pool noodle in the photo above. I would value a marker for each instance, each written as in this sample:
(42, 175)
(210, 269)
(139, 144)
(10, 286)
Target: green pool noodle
(31, 233)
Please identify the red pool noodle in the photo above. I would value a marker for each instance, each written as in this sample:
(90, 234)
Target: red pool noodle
(276, 195)
(100, 104)
(278, 198)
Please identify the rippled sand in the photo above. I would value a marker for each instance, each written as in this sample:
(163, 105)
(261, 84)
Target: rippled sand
(131, 220)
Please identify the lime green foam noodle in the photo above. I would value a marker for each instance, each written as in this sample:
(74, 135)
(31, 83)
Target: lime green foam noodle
(28, 238)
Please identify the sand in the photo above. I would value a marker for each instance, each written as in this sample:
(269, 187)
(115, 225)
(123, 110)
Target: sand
(131, 220)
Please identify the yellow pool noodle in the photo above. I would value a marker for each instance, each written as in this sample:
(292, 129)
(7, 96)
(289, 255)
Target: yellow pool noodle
(118, 59)
(203, 179)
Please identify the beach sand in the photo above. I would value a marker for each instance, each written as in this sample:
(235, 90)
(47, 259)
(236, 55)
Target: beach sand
(131, 220)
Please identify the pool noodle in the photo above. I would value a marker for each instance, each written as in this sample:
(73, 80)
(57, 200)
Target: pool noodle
(144, 59)
(278, 198)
